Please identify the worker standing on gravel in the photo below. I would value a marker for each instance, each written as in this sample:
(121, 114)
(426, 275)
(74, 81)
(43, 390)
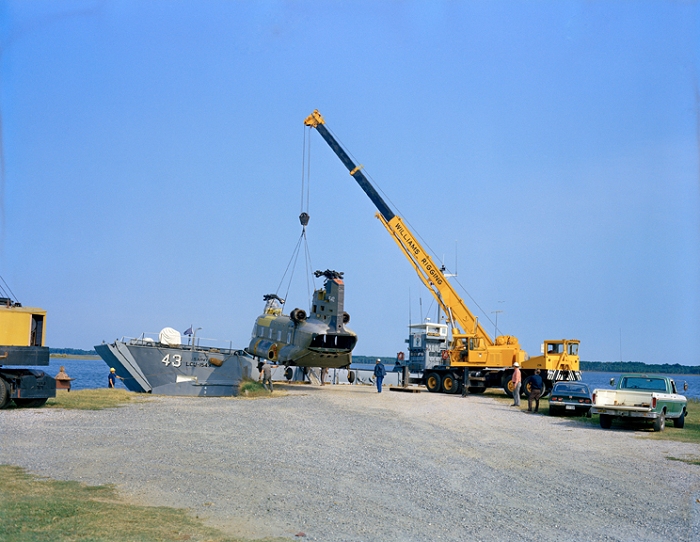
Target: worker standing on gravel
(379, 374)
(536, 386)
(517, 382)
(267, 376)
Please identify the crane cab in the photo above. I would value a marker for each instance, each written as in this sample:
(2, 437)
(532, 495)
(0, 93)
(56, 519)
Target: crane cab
(22, 334)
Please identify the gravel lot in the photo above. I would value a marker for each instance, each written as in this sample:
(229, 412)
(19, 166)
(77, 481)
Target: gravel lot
(345, 463)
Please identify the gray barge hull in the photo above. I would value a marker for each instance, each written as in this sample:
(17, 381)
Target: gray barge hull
(151, 367)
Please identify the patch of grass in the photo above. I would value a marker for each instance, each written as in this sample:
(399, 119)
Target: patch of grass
(42, 510)
(96, 399)
(685, 460)
(252, 388)
(691, 430)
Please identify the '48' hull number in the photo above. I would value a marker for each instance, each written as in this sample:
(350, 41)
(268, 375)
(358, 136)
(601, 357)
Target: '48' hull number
(176, 361)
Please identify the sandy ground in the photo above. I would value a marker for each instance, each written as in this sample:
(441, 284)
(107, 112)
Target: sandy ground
(345, 463)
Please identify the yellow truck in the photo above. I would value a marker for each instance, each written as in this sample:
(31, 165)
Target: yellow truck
(473, 359)
(22, 345)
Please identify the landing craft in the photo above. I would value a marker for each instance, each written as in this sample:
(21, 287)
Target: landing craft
(320, 339)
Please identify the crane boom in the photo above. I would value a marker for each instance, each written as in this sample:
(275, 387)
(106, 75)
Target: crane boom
(463, 322)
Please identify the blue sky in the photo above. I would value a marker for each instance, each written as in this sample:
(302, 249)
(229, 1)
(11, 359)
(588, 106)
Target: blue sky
(547, 151)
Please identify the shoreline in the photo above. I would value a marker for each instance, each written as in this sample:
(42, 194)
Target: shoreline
(74, 356)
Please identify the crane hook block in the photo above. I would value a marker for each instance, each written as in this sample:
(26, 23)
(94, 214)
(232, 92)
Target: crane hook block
(304, 219)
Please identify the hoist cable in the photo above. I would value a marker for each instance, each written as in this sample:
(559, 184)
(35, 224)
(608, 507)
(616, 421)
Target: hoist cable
(295, 254)
(309, 269)
(303, 170)
(308, 175)
(11, 294)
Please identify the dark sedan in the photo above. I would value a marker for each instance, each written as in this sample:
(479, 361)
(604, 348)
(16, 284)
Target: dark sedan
(570, 398)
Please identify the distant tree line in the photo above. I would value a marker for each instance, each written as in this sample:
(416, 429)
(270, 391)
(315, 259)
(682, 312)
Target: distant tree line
(638, 367)
(72, 351)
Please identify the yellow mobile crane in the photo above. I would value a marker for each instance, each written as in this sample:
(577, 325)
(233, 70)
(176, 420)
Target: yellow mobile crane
(473, 358)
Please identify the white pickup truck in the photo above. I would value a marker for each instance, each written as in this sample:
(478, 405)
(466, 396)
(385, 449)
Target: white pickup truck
(638, 397)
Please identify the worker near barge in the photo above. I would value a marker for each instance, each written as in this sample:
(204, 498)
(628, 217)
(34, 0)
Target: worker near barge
(379, 374)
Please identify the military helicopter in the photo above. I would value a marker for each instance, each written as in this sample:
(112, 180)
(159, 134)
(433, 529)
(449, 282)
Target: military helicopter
(320, 339)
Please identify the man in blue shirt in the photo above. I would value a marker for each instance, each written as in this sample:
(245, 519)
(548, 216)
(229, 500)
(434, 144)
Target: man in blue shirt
(112, 380)
(536, 386)
(379, 374)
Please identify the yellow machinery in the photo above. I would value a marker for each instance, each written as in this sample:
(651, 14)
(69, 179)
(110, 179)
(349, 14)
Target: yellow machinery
(21, 326)
(473, 358)
(22, 344)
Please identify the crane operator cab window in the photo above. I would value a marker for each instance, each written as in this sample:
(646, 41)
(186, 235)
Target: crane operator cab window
(554, 348)
(475, 344)
(464, 353)
(572, 349)
(37, 331)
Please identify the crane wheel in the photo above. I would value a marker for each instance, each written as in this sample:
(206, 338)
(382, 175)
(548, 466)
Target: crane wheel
(4, 394)
(526, 387)
(449, 384)
(433, 382)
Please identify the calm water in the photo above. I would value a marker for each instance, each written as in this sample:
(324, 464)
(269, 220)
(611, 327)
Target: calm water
(91, 374)
(88, 373)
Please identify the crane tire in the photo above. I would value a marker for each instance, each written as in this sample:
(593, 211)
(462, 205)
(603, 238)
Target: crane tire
(507, 383)
(4, 394)
(433, 382)
(449, 384)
